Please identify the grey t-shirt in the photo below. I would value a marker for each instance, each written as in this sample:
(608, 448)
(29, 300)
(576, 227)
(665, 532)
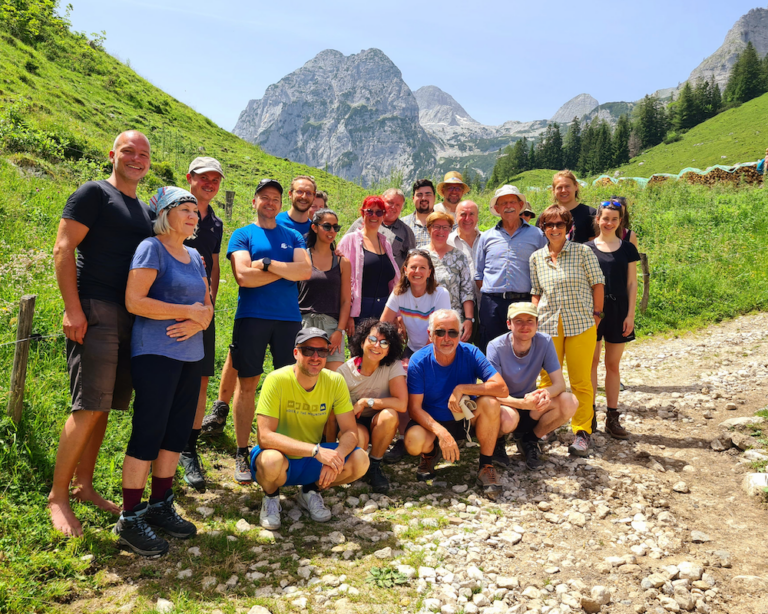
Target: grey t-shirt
(520, 374)
(374, 386)
(399, 235)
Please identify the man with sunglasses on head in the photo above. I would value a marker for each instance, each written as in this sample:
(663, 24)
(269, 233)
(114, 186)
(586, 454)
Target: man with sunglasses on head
(442, 376)
(423, 202)
(302, 194)
(267, 260)
(294, 405)
(397, 232)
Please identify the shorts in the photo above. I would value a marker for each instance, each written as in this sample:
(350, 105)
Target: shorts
(100, 367)
(165, 404)
(526, 424)
(209, 347)
(301, 471)
(457, 428)
(615, 310)
(250, 338)
(329, 325)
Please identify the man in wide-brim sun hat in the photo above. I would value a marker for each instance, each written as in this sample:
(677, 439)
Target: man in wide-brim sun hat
(452, 188)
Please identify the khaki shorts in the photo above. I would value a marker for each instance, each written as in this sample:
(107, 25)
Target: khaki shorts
(329, 325)
(100, 367)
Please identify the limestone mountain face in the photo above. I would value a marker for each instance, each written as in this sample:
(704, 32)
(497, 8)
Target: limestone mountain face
(438, 107)
(751, 27)
(576, 107)
(352, 114)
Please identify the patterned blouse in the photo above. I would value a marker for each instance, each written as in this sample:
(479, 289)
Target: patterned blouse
(565, 288)
(453, 272)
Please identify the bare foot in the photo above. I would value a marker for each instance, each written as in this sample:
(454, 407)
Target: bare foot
(87, 493)
(64, 519)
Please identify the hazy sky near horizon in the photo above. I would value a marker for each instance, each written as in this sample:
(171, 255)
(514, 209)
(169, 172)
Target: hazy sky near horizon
(501, 60)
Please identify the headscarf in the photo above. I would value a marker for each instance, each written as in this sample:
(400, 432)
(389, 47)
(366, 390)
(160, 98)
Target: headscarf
(170, 196)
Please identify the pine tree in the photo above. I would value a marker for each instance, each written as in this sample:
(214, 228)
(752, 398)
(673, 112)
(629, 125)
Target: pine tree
(714, 99)
(746, 80)
(686, 114)
(519, 157)
(621, 141)
(603, 156)
(572, 144)
(533, 158)
(552, 148)
(587, 154)
(701, 102)
(651, 123)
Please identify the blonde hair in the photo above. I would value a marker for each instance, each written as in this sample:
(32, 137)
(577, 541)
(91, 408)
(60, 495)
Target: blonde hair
(437, 216)
(564, 174)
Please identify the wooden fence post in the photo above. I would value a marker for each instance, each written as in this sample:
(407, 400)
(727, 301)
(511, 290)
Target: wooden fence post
(646, 282)
(20, 356)
(230, 203)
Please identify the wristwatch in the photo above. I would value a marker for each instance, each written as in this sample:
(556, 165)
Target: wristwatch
(370, 403)
(266, 262)
(599, 314)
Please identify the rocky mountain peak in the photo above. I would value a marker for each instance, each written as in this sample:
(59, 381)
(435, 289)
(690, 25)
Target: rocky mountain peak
(352, 114)
(577, 106)
(750, 27)
(439, 107)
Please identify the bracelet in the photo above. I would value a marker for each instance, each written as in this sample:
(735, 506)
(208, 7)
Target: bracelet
(316, 450)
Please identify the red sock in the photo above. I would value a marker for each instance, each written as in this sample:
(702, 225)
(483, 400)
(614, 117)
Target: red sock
(159, 487)
(131, 498)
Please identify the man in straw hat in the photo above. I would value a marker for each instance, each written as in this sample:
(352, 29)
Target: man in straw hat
(502, 271)
(530, 412)
(452, 188)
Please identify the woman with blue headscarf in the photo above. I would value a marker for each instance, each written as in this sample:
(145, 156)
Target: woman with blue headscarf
(168, 293)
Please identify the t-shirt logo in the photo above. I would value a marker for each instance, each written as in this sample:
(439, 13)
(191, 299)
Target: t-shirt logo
(322, 407)
(284, 246)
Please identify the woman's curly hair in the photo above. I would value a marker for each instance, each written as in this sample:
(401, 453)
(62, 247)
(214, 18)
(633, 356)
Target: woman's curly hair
(389, 330)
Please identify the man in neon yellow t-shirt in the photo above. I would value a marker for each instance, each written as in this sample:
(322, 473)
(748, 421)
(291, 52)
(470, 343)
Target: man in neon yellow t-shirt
(293, 408)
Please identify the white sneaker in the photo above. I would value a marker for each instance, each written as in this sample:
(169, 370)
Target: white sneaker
(270, 513)
(314, 504)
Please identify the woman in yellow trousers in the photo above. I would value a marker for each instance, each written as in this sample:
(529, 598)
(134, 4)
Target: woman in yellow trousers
(567, 285)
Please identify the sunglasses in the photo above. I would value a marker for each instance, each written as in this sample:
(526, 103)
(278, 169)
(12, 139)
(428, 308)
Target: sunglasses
(558, 225)
(382, 343)
(610, 203)
(327, 226)
(452, 333)
(308, 351)
(372, 212)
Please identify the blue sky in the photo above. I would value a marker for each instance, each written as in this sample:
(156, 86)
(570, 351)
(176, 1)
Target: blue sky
(501, 60)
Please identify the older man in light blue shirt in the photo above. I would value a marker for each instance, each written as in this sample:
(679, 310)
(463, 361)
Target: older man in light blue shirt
(502, 271)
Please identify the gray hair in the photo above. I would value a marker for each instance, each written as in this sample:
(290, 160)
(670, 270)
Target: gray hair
(442, 313)
(392, 192)
(162, 226)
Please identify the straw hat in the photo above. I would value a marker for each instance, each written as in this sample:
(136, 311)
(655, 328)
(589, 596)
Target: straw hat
(452, 178)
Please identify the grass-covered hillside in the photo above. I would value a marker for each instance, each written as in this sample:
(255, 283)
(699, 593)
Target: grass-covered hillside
(734, 136)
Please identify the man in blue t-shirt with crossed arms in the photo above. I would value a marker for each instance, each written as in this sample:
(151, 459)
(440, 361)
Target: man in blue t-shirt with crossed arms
(267, 260)
(519, 356)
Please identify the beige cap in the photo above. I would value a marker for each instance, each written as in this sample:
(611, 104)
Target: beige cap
(204, 164)
(516, 309)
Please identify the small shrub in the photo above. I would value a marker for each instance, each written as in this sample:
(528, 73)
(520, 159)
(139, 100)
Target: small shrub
(164, 171)
(386, 577)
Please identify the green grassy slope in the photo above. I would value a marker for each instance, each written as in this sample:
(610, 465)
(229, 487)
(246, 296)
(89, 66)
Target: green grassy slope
(740, 134)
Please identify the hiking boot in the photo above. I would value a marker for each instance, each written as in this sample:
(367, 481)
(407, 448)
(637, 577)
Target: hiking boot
(489, 481)
(270, 513)
(396, 452)
(243, 468)
(313, 502)
(580, 445)
(530, 451)
(613, 426)
(426, 469)
(133, 531)
(163, 515)
(213, 423)
(500, 456)
(622, 388)
(193, 472)
(375, 476)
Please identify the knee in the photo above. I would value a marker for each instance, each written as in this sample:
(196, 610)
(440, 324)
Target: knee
(509, 419)
(247, 385)
(388, 420)
(612, 367)
(489, 407)
(270, 464)
(358, 462)
(569, 403)
(362, 437)
(415, 440)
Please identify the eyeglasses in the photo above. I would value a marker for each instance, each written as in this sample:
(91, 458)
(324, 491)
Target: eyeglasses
(303, 193)
(382, 343)
(328, 227)
(453, 188)
(309, 351)
(372, 212)
(441, 228)
(452, 333)
(558, 225)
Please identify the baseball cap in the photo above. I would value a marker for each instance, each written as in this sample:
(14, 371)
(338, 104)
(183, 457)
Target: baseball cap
(305, 334)
(269, 183)
(515, 309)
(204, 164)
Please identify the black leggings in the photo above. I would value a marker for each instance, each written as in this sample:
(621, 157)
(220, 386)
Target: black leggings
(165, 404)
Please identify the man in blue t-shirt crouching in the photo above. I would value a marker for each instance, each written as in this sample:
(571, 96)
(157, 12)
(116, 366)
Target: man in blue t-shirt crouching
(440, 376)
(519, 356)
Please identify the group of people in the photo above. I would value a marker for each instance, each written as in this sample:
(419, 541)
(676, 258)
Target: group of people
(452, 334)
